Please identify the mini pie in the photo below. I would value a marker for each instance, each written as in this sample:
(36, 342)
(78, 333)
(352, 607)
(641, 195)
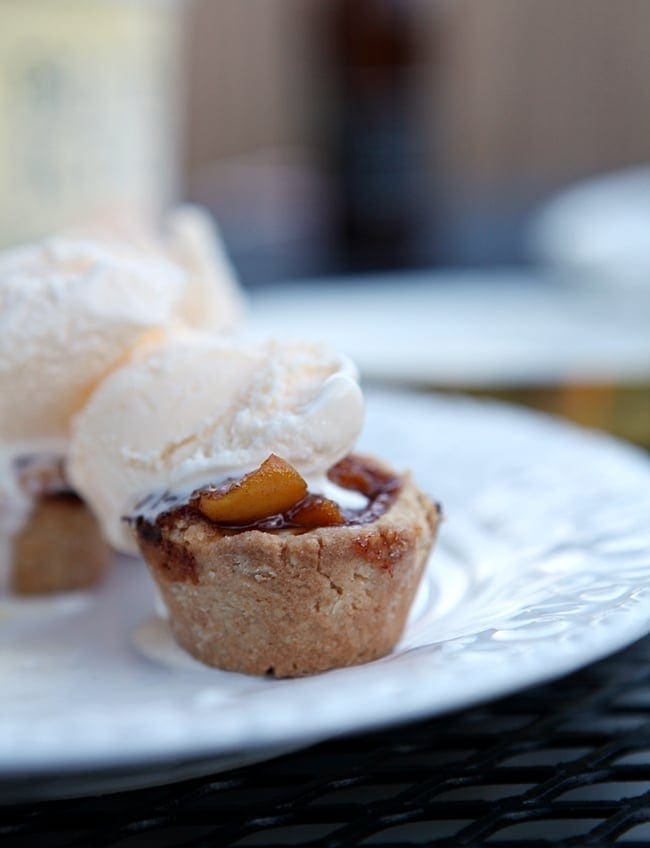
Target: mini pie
(59, 547)
(275, 597)
(229, 466)
(71, 309)
(74, 307)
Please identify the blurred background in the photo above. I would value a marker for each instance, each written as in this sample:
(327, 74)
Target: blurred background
(455, 192)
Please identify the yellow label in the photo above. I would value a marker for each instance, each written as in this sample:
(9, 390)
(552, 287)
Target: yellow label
(87, 118)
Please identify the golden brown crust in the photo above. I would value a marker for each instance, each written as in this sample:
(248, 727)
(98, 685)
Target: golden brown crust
(59, 549)
(289, 603)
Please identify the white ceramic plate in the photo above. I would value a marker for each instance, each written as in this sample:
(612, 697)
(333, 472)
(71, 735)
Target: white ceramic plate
(596, 232)
(543, 565)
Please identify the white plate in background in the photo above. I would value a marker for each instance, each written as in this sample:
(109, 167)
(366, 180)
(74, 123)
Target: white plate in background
(466, 329)
(595, 232)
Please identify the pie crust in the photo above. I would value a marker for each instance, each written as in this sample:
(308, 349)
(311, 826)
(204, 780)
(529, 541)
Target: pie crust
(59, 549)
(291, 603)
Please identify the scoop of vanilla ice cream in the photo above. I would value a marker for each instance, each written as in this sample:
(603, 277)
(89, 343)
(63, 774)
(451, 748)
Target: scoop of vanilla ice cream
(71, 309)
(214, 300)
(198, 410)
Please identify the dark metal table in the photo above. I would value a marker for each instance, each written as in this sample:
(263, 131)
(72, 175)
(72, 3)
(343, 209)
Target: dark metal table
(567, 764)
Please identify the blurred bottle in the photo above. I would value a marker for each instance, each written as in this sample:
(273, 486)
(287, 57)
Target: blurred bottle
(88, 120)
(377, 139)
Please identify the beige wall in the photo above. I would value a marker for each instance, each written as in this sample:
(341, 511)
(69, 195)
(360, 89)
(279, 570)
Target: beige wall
(552, 87)
(250, 67)
(549, 88)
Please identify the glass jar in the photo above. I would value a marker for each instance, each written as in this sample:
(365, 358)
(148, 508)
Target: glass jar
(88, 111)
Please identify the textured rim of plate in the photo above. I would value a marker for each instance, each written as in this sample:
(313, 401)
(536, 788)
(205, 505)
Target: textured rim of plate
(387, 696)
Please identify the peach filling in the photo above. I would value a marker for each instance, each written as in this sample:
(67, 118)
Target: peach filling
(275, 496)
(275, 488)
(272, 488)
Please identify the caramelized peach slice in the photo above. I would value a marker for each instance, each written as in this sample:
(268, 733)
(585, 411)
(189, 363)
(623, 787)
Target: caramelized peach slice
(272, 488)
(363, 476)
(316, 511)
